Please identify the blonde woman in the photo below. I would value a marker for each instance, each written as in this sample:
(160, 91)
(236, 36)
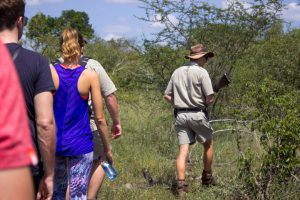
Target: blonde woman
(74, 148)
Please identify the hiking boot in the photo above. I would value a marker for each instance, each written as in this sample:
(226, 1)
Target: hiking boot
(182, 188)
(208, 179)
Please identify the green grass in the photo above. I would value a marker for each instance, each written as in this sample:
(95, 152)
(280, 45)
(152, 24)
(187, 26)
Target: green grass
(149, 141)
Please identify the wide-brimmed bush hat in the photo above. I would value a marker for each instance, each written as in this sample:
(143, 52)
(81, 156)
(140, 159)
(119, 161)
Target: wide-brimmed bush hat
(199, 51)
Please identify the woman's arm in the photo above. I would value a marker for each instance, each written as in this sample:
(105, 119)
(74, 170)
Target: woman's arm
(99, 114)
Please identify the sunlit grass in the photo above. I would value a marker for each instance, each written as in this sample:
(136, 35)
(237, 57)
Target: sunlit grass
(149, 141)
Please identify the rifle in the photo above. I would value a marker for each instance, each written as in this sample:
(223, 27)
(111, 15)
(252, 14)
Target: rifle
(224, 81)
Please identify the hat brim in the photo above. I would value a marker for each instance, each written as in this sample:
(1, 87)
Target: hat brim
(197, 56)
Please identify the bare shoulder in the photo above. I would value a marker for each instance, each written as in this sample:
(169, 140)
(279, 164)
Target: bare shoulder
(53, 71)
(90, 74)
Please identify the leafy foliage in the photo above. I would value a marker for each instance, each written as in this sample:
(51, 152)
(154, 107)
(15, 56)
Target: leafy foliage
(121, 59)
(279, 127)
(228, 32)
(263, 61)
(160, 62)
(44, 31)
(269, 92)
(78, 20)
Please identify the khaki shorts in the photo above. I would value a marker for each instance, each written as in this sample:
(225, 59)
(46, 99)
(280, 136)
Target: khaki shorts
(191, 126)
(98, 145)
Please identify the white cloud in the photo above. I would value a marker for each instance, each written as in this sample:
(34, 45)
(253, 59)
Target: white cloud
(33, 2)
(172, 20)
(157, 24)
(114, 32)
(226, 3)
(37, 2)
(112, 36)
(121, 1)
(291, 12)
(117, 29)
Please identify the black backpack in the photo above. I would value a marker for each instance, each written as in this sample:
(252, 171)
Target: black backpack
(83, 61)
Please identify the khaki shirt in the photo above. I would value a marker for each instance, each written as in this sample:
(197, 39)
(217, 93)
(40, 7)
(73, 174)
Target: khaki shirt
(189, 85)
(106, 85)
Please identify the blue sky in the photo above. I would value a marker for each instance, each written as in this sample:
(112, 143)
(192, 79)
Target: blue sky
(115, 18)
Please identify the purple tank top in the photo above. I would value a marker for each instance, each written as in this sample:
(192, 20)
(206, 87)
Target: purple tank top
(74, 136)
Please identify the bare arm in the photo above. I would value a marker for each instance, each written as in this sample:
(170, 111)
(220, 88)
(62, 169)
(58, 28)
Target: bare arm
(209, 99)
(113, 109)
(169, 99)
(46, 136)
(99, 114)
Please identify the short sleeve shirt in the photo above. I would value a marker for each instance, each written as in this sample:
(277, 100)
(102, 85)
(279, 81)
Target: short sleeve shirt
(189, 85)
(16, 148)
(106, 84)
(35, 77)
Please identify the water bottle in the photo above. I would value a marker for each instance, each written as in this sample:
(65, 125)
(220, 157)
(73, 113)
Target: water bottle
(110, 171)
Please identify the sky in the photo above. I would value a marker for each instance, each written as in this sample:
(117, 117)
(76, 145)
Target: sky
(112, 19)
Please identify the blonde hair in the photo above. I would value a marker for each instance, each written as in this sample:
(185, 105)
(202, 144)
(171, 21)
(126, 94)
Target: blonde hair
(70, 48)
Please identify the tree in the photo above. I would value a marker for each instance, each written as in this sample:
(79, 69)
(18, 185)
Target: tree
(160, 62)
(267, 89)
(228, 32)
(78, 20)
(121, 59)
(44, 31)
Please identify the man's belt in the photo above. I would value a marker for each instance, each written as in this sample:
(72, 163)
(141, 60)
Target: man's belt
(176, 110)
(189, 109)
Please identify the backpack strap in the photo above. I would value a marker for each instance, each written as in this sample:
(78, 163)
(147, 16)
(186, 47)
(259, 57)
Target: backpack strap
(16, 53)
(56, 62)
(84, 60)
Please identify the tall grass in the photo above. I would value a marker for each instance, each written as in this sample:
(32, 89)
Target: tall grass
(149, 141)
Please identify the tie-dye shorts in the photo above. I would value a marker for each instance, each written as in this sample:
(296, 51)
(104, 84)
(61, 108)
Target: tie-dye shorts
(75, 170)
